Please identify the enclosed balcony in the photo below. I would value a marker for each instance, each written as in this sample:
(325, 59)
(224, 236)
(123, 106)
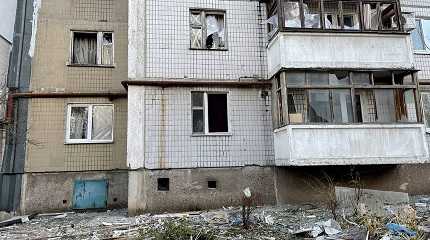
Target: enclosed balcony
(337, 34)
(339, 117)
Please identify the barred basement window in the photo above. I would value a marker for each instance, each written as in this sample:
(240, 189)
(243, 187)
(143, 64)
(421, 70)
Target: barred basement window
(89, 123)
(209, 112)
(92, 48)
(207, 29)
(345, 97)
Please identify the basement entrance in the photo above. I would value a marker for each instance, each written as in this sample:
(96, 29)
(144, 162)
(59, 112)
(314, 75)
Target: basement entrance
(90, 194)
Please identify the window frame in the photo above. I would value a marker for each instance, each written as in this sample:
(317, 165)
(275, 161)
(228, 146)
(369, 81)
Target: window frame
(423, 39)
(322, 12)
(99, 49)
(203, 13)
(350, 86)
(206, 114)
(90, 107)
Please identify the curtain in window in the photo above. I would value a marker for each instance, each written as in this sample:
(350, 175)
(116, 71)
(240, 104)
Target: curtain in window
(370, 17)
(85, 48)
(292, 14)
(78, 123)
(102, 123)
(214, 31)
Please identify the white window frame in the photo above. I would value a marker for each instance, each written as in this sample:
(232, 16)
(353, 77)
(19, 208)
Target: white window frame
(206, 115)
(90, 107)
(99, 48)
(426, 42)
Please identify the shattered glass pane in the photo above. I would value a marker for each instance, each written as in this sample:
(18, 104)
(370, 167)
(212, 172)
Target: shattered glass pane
(351, 11)
(215, 31)
(389, 16)
(339, 78)
(78, 123)
(292, 14)
(331, 15)
(102, 123)
(311, 9)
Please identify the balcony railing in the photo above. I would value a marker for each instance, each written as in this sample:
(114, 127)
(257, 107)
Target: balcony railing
(334, 16)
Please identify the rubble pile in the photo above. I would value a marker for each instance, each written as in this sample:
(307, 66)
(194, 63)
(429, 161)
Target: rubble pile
(410, 221)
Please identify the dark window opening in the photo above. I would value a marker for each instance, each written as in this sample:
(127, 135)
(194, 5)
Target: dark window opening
(382, 78)
(197, 112)
(217, 112)
(212, 184)
(163, 184)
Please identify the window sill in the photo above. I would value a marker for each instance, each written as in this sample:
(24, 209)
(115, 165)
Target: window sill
(88, 142)
(422, 52)
(227, 134)
(210, 49)
(90, 65)
(320, 30)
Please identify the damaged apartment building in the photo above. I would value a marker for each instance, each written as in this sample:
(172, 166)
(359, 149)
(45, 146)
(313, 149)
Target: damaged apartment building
(160, 105)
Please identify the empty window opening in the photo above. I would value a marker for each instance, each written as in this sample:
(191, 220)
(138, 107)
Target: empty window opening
(311, 11)
(92, 48)
(209, 112)
(207, 29)
(163, 184)
(382, 78)
(211, 184)
(88, 123)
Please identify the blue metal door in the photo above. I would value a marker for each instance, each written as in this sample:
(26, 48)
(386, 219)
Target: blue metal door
(89, 194)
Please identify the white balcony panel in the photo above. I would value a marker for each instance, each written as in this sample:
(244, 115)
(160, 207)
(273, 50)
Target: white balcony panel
(313, 145)
(339, 50)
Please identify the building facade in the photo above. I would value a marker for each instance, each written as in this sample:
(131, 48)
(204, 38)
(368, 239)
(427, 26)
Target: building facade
(179, 105)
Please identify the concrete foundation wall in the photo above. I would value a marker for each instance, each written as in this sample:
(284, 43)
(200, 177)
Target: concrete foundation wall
(303, 184)
(48, 192)
(189, 188)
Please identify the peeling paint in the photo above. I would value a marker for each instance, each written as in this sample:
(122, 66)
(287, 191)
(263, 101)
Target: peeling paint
(37, 4)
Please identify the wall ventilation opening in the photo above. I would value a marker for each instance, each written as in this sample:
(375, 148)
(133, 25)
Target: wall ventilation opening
(163, 184)
(64, 201)
(211, 184)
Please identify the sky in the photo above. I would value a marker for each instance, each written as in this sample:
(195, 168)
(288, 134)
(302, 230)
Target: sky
(7, 18)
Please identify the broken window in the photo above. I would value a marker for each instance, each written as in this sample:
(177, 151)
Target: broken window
(209, 112)
(421, 35)
(332, 97)
(207, 29)
(92, 48)
(340, 15)
(425, 98)
(88, 123)
(292, 14)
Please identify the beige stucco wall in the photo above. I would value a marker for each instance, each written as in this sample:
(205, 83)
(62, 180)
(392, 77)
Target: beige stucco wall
(46, 148)
(55, 20)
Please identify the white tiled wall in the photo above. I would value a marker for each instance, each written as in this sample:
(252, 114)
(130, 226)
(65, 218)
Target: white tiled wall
(164, 51)
(160, 130)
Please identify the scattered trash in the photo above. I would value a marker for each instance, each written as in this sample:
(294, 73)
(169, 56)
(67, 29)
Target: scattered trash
(331, 227)
(398, 229)
(247, 192)
(269, 220)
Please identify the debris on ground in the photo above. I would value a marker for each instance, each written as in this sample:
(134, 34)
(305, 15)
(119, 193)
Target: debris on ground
(407, 221)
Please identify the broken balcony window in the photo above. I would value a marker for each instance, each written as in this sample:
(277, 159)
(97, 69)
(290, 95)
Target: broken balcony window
(297, 106)
(331, 15)
(326, 96)
(207, 29)
(272, 24)
(351, 13)
(292, 14)
(89, 123)
(84, 48)
(421, 35)
(389, 18)
(370, 16)
(311, 11)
